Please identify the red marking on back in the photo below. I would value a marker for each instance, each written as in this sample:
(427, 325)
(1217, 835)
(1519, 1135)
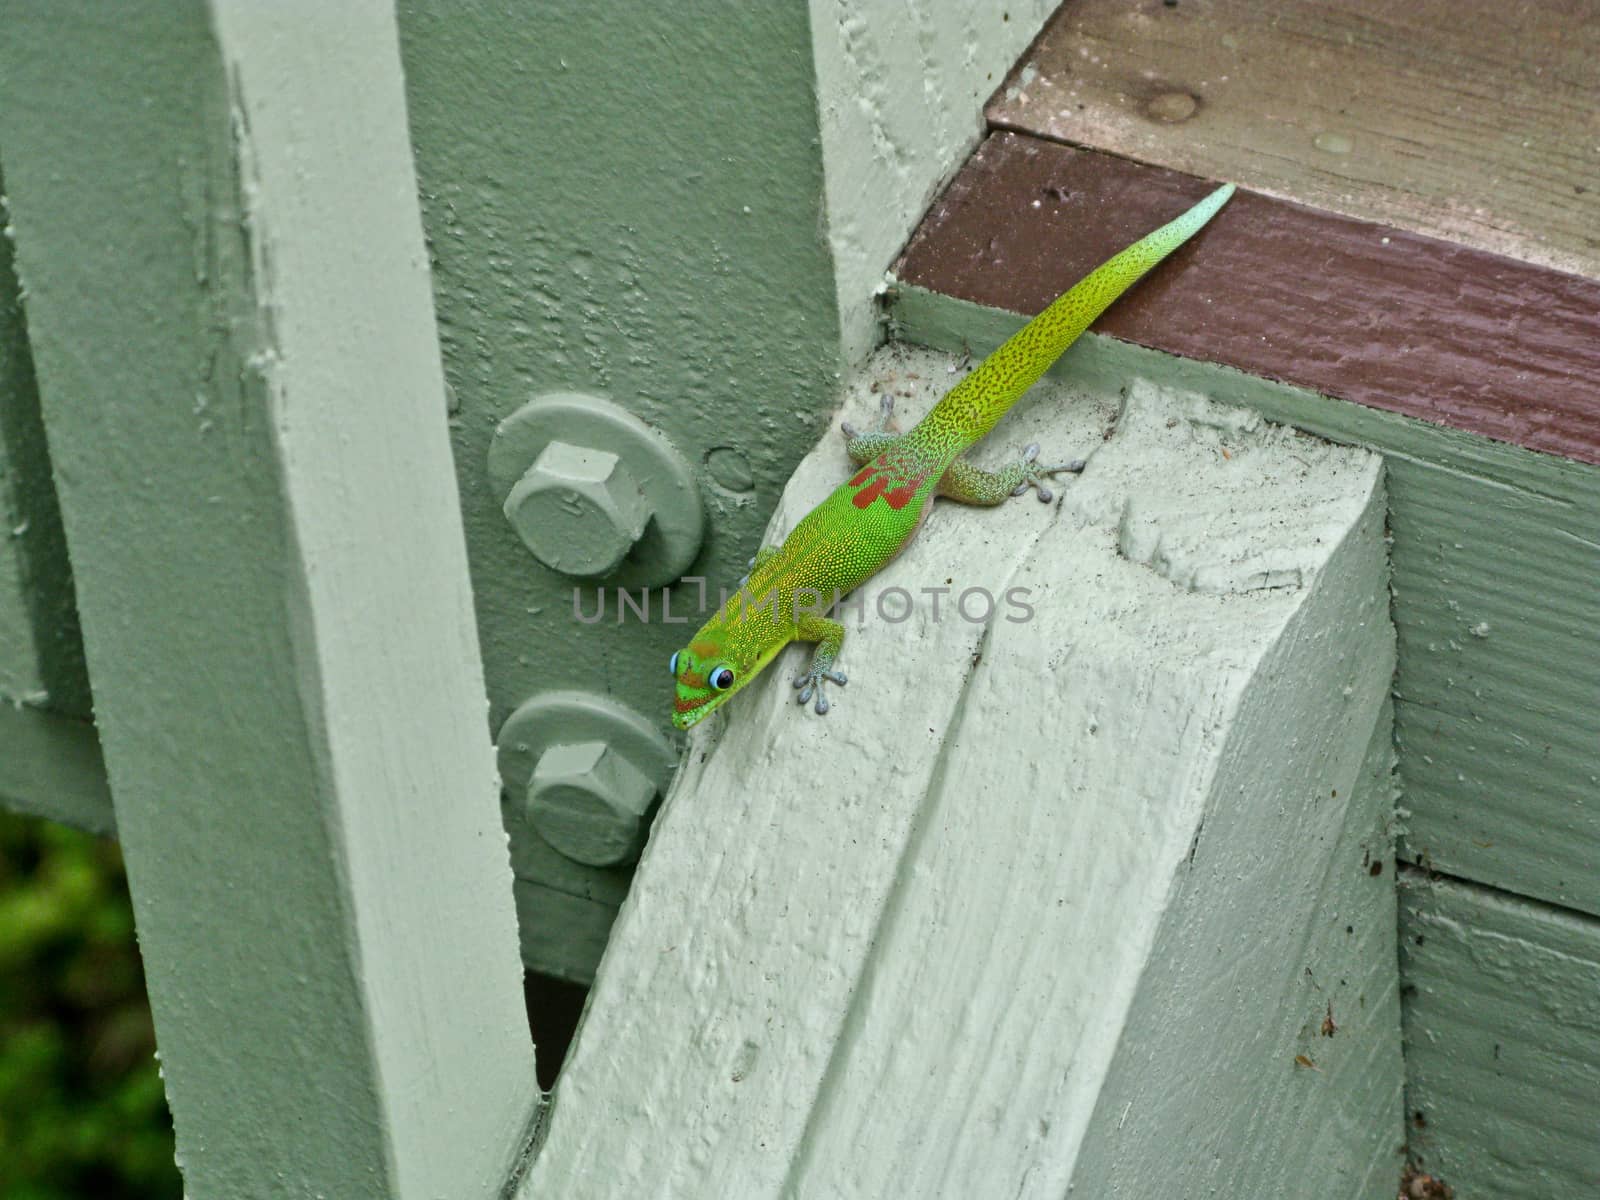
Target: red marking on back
(860, 476)
(871, 492)
(896, 492)
(899, 497)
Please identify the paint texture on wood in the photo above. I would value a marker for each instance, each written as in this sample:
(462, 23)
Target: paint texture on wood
(1367, 313)
(1494, 556)
(227, 298)
(911, 948)
(683, 284)
(587, 237)
(41, 647)
(702, 246)
(900, 94)
(1502, 1027)
(564, 908)
(50, 766)
(561, 934)
(1472, 120)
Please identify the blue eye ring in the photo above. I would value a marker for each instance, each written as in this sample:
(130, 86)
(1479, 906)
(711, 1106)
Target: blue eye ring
(672, 666)
(720, 678)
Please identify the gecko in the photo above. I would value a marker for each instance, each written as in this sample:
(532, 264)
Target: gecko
(869, 519)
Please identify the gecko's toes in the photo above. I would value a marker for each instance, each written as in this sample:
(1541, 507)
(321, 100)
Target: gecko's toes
(1045, 494)
(1020, 488)
(810, 685)
(1030, 452)
(849, 430)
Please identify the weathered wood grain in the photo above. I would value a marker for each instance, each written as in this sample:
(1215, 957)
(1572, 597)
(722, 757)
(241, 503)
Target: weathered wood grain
(1024, 865)
(1502, 1027)
(228, 301)
(1470, 120)
(1495, 556)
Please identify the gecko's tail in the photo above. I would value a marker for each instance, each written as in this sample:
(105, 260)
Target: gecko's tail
(973, 406)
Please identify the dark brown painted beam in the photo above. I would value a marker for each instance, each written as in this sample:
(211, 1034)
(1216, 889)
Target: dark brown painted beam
(1390, 319)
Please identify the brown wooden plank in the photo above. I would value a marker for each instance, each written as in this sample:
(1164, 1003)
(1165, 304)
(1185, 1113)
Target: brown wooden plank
(1445, 333)
(1473, 120)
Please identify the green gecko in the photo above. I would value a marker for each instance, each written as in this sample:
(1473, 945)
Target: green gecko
(854, 533)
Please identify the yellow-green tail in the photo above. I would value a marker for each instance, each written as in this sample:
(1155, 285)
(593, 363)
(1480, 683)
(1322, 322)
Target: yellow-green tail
(973, 406)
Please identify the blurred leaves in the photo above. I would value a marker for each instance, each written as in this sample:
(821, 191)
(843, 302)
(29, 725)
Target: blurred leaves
(82, 1113)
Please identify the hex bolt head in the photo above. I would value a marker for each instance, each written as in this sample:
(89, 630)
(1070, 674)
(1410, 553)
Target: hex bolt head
(591, 803)
(661, 540)
(578, 509)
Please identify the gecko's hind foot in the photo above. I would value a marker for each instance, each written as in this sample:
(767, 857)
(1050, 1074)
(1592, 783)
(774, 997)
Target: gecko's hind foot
(1034, 473)
(810, 684)
(863, 445)
(885, 419)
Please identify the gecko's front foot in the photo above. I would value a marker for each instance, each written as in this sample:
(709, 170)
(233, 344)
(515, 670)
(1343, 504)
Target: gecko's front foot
(1035, 473)
(811, 683)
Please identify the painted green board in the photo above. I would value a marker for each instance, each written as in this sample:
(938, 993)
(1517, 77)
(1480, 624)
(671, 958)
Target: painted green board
(41, 648)
(922, 958)
(1502, 1027)
(228, 302)
(51, 766)
(605, 214)
(600, 220)
(900, 93)
(1495, 556)
(775, 192)
(685, 208)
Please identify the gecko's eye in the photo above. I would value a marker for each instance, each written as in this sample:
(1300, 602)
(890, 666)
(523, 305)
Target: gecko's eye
(722, 679)
(673, 665)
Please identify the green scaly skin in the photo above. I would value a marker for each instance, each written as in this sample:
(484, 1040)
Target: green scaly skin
(852, 534)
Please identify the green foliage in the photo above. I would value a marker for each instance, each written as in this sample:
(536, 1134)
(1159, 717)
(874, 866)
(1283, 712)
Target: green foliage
(82, 1112)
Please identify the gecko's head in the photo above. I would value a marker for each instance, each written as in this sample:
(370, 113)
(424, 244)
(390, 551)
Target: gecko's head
(706, 672)
(712, 667)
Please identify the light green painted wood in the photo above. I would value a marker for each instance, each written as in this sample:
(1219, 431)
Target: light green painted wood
(694, 298)
(1502, 1041)
(564, 909)
(41, 649)
(1022, 868)
(50, 766)
(687, 208)
(1349, 1101)
(227, 296)
(900, 90)
(604, 213)
(562, 934)
(1495, 559)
